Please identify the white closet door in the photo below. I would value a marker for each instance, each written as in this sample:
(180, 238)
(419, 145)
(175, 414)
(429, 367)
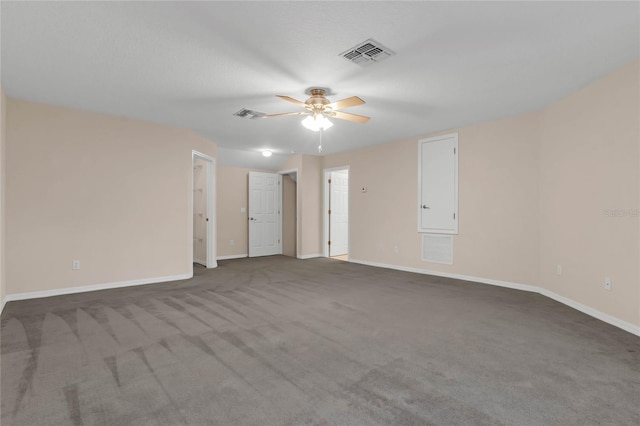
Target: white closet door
(438, 198)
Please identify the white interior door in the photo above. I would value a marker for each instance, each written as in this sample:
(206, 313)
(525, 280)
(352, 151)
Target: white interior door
(439, 185)
(265, 205)
(339, 217)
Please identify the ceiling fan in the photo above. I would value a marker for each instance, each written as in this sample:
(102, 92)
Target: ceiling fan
(319, 109)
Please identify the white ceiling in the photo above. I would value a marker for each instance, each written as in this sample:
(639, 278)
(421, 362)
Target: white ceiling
(193, 64)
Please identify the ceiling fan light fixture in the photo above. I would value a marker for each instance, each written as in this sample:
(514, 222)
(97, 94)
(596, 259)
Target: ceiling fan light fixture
(315, 123)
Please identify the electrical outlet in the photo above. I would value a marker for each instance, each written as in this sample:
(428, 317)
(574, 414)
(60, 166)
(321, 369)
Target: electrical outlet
(395, 249)
(75, 265)
(231, 242)
(243, 210)
(607, 283)
(559, 269)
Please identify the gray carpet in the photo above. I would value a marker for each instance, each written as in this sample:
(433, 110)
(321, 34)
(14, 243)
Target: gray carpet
(280, 341)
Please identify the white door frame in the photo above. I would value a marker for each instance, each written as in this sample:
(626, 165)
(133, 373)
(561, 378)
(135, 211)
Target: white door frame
(286, 172)
(325, 208)
(211, 223)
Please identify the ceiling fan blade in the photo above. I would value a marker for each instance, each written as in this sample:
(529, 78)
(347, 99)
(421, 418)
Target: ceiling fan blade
(346, 103)
(284, 114)
(351, 117)
(293, 101)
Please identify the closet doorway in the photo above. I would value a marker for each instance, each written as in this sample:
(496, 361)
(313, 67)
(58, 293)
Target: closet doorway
(336, 217)
(202, 209)
(290, 245)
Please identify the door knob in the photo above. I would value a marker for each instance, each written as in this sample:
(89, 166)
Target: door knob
(424, 206)
(251, 218)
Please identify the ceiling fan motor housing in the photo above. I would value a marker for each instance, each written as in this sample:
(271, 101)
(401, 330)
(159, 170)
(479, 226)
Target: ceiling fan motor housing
(316, 103)
(319, 105)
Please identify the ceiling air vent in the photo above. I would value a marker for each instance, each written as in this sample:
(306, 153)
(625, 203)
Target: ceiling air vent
(247, 113)
(367, 53)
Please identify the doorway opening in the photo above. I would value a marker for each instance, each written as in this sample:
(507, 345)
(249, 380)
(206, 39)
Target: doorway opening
(290, 243)
(336, 216)
(202, 209)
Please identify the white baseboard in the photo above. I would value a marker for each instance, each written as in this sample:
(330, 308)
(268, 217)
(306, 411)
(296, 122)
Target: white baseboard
(633, 329)
(523, 287)
(200, 262)
(233, 256)
(309, 256)
(592, 312)
(95, 287)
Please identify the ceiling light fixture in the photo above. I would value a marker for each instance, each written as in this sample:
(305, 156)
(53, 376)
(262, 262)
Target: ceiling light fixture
(317, 122)
(267, 153)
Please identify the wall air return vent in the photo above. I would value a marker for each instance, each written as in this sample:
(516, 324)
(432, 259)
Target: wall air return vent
(247, 113)
(367, 53)
(437, 248)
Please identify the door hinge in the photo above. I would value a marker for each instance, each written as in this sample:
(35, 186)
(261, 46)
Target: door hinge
(329, 181)
(454, 150)
(329, 242)
(278, 241)
(329, 211)
(454, 215)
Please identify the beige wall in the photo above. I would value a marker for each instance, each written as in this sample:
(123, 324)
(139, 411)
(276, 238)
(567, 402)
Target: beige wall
(3, 139)
(311, 207)
(294, 162)
(309, 202)
(231, 196)
(589, 150)
(536, 190)
(111, 192)
(288, 216)
(497, 239)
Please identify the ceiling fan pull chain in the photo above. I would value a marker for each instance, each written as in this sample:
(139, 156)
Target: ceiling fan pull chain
(320, 146)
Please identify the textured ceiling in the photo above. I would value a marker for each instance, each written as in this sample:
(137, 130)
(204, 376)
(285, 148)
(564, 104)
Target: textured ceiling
(193, 64)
